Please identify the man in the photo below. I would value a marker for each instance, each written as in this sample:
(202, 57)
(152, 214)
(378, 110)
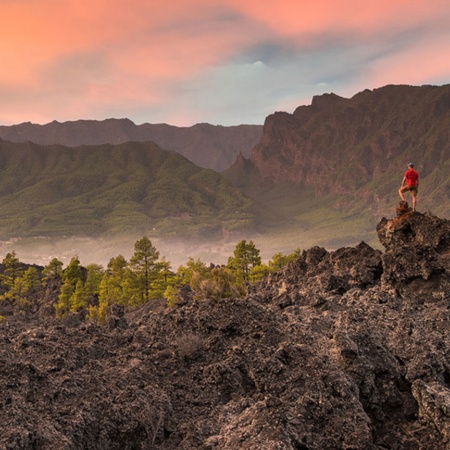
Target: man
(410, 183)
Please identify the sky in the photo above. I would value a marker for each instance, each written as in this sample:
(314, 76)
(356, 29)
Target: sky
(226, 62)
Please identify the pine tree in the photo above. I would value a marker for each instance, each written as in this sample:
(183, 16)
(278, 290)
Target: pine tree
(64, 299)
(143, 265)
(52, 270)
(78, 298)
(12, 270)
(246, 256)
(185, 273)
(112, 288)
(71, 275)
(117, 266)
(25, 287)
(278, 261)
(93, 279)
(163, 278)
(31, 280)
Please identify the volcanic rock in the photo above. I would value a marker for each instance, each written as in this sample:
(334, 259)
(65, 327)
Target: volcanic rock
(417, 257)
(348, 349)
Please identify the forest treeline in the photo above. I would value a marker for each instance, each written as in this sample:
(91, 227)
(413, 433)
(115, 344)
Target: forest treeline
(132, 282)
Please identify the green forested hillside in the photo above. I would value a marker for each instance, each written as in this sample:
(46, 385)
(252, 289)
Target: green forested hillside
(100, 190)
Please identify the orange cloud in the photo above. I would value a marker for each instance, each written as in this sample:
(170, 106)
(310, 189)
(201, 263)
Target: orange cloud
(427, 62)
(69, 58)
(294, 18)
(139, 37)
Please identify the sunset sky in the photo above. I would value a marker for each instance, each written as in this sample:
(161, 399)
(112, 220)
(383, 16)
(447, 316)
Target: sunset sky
(219, 61)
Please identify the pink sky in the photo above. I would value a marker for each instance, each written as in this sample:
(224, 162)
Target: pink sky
(225, 62)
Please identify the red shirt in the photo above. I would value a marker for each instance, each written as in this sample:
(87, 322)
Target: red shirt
(411, 177)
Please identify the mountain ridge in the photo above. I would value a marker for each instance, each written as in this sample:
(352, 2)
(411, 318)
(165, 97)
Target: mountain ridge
(338, 144)
(208, 146)
(323, 174)
(343, 159)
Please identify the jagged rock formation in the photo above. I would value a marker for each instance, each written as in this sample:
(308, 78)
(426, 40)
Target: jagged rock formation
(339, 350)
(358, 148)
(364, 134)
(209, 146)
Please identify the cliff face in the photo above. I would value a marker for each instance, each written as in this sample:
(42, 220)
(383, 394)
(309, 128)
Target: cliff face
(359, 145)
(339, 350)
(206, 145)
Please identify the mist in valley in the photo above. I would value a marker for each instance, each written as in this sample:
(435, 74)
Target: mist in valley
(41, 250)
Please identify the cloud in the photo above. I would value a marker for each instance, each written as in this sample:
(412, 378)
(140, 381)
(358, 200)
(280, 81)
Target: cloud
(307, 20)
(225, 61)
(421, 59)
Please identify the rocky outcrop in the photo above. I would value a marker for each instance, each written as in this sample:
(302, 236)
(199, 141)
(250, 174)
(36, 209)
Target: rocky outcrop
(346, 349)
(417, 257)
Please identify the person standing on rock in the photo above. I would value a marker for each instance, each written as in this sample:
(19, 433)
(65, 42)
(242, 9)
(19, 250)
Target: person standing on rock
(410, 183)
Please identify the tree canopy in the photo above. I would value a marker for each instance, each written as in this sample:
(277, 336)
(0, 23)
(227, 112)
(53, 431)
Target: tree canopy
(130, 283)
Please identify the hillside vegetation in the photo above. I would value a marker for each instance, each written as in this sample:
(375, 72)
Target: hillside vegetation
(98, 190)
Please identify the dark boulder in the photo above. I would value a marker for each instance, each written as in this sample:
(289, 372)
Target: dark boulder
(417, 257)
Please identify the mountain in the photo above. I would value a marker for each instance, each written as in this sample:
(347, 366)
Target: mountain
(339, 350)
(208, 146)
(322, 175)
(111, 189)
(338, 163)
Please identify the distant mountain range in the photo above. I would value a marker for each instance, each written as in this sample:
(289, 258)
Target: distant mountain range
(208, 146)
(329, 170)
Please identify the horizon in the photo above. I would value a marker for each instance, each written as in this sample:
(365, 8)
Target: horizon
(223, 63)
(105, 119)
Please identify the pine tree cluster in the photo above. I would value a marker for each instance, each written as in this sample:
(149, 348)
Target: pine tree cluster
(145, 276)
